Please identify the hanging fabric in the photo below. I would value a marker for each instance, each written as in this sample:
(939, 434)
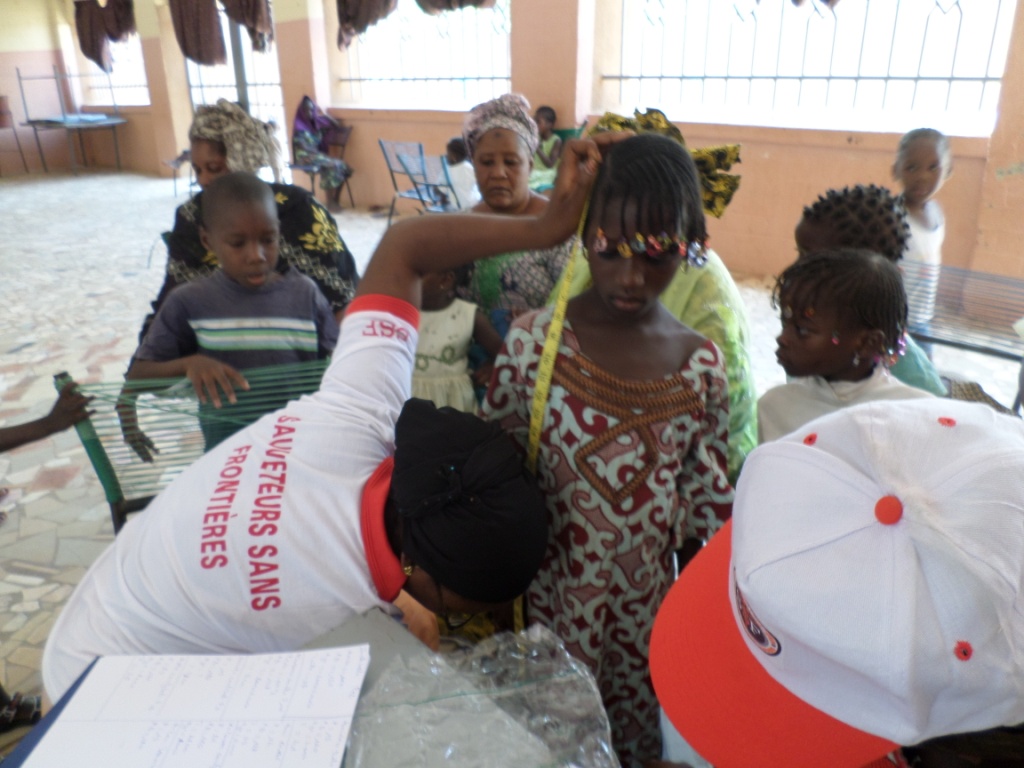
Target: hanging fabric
(96, 26)
(436, 6)
(197, 28)
(356, 16)
(256, 17)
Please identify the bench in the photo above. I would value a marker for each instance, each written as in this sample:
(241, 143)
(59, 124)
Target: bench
(975, 311)
(168, 413)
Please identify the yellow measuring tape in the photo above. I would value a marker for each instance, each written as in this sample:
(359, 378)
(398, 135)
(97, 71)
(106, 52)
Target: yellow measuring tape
(548, 355)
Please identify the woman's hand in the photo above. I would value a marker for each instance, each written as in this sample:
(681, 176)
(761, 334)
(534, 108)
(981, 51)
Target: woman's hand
(420, 621)
(581, 159)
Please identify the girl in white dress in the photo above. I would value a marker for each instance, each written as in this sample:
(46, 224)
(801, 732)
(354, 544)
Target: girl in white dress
(447, 327)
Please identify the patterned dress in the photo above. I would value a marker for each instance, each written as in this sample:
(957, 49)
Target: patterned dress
(507, 285)
(630, 469)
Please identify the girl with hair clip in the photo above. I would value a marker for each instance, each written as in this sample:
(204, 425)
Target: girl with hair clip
(630, 446)
(844, 313)
(871, 217)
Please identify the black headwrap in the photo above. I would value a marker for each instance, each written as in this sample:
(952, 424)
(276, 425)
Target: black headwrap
(471, 516)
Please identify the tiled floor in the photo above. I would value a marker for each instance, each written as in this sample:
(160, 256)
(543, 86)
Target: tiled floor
(80, 258)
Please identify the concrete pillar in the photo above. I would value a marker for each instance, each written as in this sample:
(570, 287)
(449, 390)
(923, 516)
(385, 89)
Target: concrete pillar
(1000, 223)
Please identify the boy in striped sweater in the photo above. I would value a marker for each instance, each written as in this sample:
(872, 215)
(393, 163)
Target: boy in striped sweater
(246, 315)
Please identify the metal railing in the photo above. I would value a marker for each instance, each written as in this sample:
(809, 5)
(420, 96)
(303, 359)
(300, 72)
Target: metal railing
(937, 62)
(453, 60)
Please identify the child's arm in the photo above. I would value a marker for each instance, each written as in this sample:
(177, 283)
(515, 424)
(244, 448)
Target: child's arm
(487, 337)
(205, 373)
(550, 159)
(485, 334)
(69, 409)
(414, 247)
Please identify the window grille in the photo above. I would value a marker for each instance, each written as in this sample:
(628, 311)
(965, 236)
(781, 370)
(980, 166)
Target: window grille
(881, 65)
(249, 78)
(127, 84)
(451, 61)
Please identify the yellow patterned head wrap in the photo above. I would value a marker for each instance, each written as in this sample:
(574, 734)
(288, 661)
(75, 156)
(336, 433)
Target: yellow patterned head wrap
(713, 163)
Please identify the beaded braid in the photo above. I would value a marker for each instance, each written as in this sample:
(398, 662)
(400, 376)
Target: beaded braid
(864, 216)
(865, 288)
(658, 175)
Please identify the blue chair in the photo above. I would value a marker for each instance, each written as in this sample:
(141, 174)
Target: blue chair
(432, 182)
(393, 151)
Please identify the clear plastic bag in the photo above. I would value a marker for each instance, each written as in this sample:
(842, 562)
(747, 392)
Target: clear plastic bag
(512, 700)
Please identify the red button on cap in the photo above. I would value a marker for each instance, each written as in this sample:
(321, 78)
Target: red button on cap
(888, 510)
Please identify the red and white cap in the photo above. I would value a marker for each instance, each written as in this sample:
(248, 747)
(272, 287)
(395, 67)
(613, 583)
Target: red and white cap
(867, 593)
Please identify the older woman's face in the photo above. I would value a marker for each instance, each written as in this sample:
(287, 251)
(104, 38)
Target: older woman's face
(502, 165)
(209, 161)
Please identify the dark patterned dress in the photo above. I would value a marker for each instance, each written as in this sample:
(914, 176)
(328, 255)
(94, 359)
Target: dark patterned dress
(630, 469)
(309, 241)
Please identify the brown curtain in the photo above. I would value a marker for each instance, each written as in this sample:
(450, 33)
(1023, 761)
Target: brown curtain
(436, 6)
(97, 26)
(197, 27)
(256, 17)
(356, 16)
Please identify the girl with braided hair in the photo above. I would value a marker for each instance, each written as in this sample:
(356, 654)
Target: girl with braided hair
(871, 217)
(844, 312)
(225, 138)
(631, 455)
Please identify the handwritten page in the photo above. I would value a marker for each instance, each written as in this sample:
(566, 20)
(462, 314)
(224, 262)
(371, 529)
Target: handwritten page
(254, 711)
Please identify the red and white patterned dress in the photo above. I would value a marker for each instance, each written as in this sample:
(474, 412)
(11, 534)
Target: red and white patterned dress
(630, 469)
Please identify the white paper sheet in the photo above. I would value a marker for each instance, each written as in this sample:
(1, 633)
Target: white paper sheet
(254, 711)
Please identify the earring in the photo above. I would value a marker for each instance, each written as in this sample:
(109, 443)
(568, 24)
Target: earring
(835, 338)
(856, 359)
(407, 569)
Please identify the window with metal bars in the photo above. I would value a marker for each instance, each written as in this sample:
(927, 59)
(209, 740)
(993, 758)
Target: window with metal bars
(126, 85)
(249, 78)
(878, 65)
(450, 61)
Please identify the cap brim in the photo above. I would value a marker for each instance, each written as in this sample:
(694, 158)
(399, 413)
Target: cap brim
(720, 698)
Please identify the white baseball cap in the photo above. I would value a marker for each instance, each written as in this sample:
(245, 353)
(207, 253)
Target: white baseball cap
(866, 594)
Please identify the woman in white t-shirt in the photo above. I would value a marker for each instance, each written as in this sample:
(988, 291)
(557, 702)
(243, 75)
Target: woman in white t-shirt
(340, 501)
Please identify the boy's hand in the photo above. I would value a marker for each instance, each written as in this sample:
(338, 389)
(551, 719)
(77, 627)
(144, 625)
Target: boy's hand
(208, 375)
(69, 409)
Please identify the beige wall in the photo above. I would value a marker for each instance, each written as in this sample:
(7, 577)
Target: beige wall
(552, 62)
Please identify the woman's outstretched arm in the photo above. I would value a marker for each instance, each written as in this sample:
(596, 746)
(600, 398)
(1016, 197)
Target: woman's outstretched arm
(414, 247)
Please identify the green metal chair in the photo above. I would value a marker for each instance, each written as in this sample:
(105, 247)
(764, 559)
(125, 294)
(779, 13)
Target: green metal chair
(177, 426)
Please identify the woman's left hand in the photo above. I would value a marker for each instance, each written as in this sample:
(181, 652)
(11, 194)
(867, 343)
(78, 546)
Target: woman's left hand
(581, 159)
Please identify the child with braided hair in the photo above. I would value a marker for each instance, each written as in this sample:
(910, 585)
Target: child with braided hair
(870, 217)
(631, 451)
(843, 314)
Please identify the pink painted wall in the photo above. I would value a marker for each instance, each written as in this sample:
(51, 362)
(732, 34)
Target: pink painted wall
(371, 182)
(784, 170)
